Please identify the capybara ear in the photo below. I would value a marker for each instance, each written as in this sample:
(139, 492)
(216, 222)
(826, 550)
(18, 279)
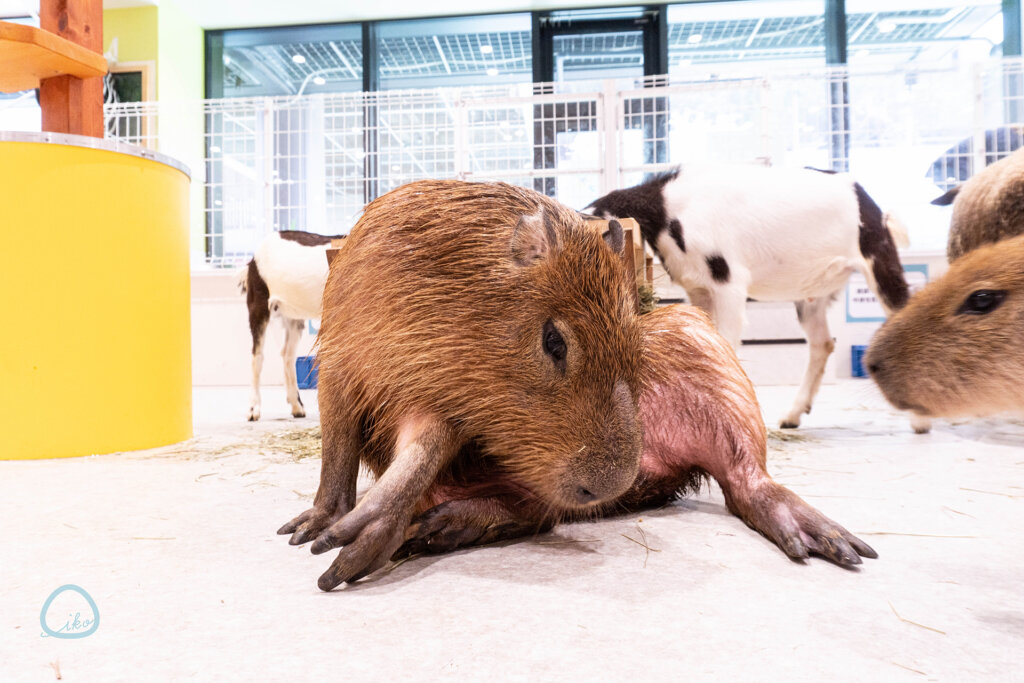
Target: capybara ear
(614, 236)
(533, 239)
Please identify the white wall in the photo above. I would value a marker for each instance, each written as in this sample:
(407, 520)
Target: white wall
(221, 343)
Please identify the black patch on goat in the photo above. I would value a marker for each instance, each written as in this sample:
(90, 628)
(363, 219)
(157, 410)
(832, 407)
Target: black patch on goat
(675, 229)
(878, 247)
(719, 268)
(307, 239)
(257, 296)
(948, 197)
(644, 203)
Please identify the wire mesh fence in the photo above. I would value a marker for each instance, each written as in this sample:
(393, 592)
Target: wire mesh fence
(313, 162)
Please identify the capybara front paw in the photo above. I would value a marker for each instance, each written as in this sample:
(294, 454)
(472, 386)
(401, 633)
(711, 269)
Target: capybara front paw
(458, 524)
(800, 530)
(367, 543)
(920, 424)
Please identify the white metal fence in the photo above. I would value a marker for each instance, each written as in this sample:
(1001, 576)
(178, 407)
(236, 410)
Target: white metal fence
(313, 162)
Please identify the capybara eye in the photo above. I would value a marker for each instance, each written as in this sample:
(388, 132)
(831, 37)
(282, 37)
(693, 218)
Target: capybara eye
(554, 345)
(982, 301)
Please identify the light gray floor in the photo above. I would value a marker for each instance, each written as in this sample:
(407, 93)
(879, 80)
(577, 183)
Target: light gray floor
(177, 547)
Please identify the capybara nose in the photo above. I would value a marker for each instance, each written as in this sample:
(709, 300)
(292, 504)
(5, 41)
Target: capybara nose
(584, 496)
(874, 368)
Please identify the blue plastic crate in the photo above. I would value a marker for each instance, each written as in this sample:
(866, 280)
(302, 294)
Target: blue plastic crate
(305, 368)
(857, 360)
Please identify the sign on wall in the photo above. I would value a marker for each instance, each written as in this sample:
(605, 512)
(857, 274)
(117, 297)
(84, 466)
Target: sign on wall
(862, 305)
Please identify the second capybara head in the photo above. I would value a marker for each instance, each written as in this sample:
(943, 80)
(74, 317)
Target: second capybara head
(956, 348)
(497, 309)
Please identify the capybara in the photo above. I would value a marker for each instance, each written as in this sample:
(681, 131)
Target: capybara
(989, 207)
(700, 417)
(958, 346)
(473, 322)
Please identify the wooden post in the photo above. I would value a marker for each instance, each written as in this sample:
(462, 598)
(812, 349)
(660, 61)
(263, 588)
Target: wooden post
(69, 104)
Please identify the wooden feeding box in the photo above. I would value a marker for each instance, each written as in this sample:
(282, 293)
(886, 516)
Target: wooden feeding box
(336, 244)
(637, 259)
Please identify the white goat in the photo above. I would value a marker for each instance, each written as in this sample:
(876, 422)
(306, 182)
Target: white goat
(729, 232)
(285, 277)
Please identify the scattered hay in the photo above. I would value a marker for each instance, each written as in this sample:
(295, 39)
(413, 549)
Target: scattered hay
(991, 493)
(785, 435)
(913, 623)
(642, 543)
(648, 298)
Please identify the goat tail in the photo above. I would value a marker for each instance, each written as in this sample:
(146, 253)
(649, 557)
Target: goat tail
(242, 278)
(947, 198)
(896, 229)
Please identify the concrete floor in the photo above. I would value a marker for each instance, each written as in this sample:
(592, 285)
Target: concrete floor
(177, 548)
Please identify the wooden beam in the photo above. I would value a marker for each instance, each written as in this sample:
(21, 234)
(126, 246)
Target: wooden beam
(28, 55)
(69, 104)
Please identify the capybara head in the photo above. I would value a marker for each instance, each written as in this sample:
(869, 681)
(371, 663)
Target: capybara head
(956, 349)
(496, 308)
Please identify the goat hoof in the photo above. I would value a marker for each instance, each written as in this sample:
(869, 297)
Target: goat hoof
(298, 413)
(254, 415)
(789, 424)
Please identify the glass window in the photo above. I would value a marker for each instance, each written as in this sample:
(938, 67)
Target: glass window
(709, 38)
(430, 53)
(931, 31)
(592, 44)
(911, 114)
(292, 61)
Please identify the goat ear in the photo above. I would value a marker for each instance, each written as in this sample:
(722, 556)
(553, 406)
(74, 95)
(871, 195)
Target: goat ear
(614, 237)
(533, 239)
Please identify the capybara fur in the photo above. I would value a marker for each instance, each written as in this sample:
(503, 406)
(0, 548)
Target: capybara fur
(476, 321)
(700, 418)
(989, 207)
(957, 349)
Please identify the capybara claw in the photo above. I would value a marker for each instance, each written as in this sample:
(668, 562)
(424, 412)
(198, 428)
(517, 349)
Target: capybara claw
(794, 548)
(307, 526)
(800, 530)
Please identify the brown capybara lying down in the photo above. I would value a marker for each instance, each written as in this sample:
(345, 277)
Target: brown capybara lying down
(470, 317)
(957, 349)
(479, 351)
(700, 418)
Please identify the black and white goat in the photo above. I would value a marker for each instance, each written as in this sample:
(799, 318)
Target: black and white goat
(285, 277)
(729, 232)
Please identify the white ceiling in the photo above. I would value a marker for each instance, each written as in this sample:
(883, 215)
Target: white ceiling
(213, 14)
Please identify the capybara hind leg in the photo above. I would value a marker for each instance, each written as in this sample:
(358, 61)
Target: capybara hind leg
(375, 528)
(461, 523)
(339, 469)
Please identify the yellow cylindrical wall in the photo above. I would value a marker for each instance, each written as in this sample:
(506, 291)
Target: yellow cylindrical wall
(94, 338)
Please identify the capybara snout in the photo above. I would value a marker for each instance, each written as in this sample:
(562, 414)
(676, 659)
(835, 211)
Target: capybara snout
(604, 465)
